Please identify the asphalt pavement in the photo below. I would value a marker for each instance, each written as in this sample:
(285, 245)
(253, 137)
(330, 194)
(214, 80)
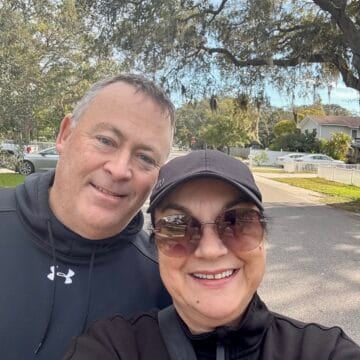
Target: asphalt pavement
(313, 258)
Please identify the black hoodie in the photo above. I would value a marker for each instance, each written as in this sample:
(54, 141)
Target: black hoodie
(53, 282)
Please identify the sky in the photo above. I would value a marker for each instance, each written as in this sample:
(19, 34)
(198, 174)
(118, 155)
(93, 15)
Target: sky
(341, 95)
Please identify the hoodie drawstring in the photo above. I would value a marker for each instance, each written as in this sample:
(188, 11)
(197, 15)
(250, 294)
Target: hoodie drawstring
(53, 291)
(88, 291)
(220, 351)
(52, 301)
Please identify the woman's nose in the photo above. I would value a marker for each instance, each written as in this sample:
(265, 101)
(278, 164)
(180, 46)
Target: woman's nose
(210, 245)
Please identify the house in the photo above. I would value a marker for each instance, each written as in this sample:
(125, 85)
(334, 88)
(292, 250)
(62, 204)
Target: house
(327, 125)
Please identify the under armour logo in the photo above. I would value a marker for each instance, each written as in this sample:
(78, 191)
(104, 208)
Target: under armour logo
(67, 276)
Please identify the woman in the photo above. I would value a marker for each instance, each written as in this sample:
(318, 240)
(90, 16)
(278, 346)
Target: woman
(209, 228)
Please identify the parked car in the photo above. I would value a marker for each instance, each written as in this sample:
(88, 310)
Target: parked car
(280, 160)
(40, 161)
(319, 159)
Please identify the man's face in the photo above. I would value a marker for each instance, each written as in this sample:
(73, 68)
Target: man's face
(109, 161)
(212, 286)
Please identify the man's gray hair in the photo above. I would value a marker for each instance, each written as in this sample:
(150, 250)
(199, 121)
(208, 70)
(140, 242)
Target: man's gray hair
(139, 82)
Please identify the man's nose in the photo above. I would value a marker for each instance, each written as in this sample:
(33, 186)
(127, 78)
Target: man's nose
(120, 165)
(210, 245)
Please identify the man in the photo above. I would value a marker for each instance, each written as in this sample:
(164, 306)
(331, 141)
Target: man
(72, 245)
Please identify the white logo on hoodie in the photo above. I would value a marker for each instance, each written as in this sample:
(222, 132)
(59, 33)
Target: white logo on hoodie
(67, 276)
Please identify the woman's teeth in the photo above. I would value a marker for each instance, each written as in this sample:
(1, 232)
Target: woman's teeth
(217, 276)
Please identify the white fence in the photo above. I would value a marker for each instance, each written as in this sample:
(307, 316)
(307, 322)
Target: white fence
(345, 175)
(300, 167)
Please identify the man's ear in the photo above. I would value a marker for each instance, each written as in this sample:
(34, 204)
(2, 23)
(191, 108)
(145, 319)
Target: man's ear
(64, 133)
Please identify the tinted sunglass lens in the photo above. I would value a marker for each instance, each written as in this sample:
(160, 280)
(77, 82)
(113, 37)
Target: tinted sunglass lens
(172, 247)
(241, 229)
(172, 226)
(230, 217)
(173, 235)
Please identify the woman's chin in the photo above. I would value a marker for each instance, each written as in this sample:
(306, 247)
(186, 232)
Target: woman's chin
(213, 319)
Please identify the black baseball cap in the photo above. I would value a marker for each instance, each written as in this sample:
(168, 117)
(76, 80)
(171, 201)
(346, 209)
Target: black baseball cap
(205, 164)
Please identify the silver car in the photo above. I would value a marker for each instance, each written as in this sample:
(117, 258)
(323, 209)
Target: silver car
(40, 161)
(287, 158)
(319, 159)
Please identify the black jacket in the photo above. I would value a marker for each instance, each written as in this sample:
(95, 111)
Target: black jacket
(261, 335)
(41, 306)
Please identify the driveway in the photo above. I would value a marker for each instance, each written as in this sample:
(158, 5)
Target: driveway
(313, 265)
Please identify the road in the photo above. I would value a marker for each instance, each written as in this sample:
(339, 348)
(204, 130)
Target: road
(313, 262)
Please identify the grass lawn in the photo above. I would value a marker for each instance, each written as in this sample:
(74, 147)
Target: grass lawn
(339, 195)
(11, 180)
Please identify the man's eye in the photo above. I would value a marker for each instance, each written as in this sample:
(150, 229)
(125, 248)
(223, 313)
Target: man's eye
(105, 141)
(148, 160)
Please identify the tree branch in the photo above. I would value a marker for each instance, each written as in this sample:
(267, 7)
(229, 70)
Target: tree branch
(216, 12)
(338, 13)
(207, 11)
(348, 76)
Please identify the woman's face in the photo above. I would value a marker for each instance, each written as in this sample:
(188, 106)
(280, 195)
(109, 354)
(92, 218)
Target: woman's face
(214, 285)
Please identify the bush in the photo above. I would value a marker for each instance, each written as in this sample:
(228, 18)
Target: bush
(260, 158)
(8, 160)
(338, 146)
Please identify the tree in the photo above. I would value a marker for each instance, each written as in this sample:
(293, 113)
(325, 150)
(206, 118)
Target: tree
(270, 116)
(190, 118)
(303, 111)
(284, 127)
(47, 61)
(218, 127)
(229, 126)
(337, 110)
(296, 141)
(239, 41)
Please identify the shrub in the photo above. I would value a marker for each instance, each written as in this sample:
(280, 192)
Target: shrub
(260, 158)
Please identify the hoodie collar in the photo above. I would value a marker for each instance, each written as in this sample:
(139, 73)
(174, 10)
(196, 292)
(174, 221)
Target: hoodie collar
(242, 338)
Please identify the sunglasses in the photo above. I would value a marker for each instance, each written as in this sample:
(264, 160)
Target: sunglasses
(240, 229)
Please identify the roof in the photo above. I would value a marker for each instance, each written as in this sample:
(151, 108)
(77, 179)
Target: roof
(348, 121)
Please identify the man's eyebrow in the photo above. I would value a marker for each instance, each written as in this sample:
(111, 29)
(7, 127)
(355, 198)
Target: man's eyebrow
(108, 127)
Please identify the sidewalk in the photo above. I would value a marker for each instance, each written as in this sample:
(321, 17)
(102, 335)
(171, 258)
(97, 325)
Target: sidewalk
(284, 175)
(3, 171)
(273, 191)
